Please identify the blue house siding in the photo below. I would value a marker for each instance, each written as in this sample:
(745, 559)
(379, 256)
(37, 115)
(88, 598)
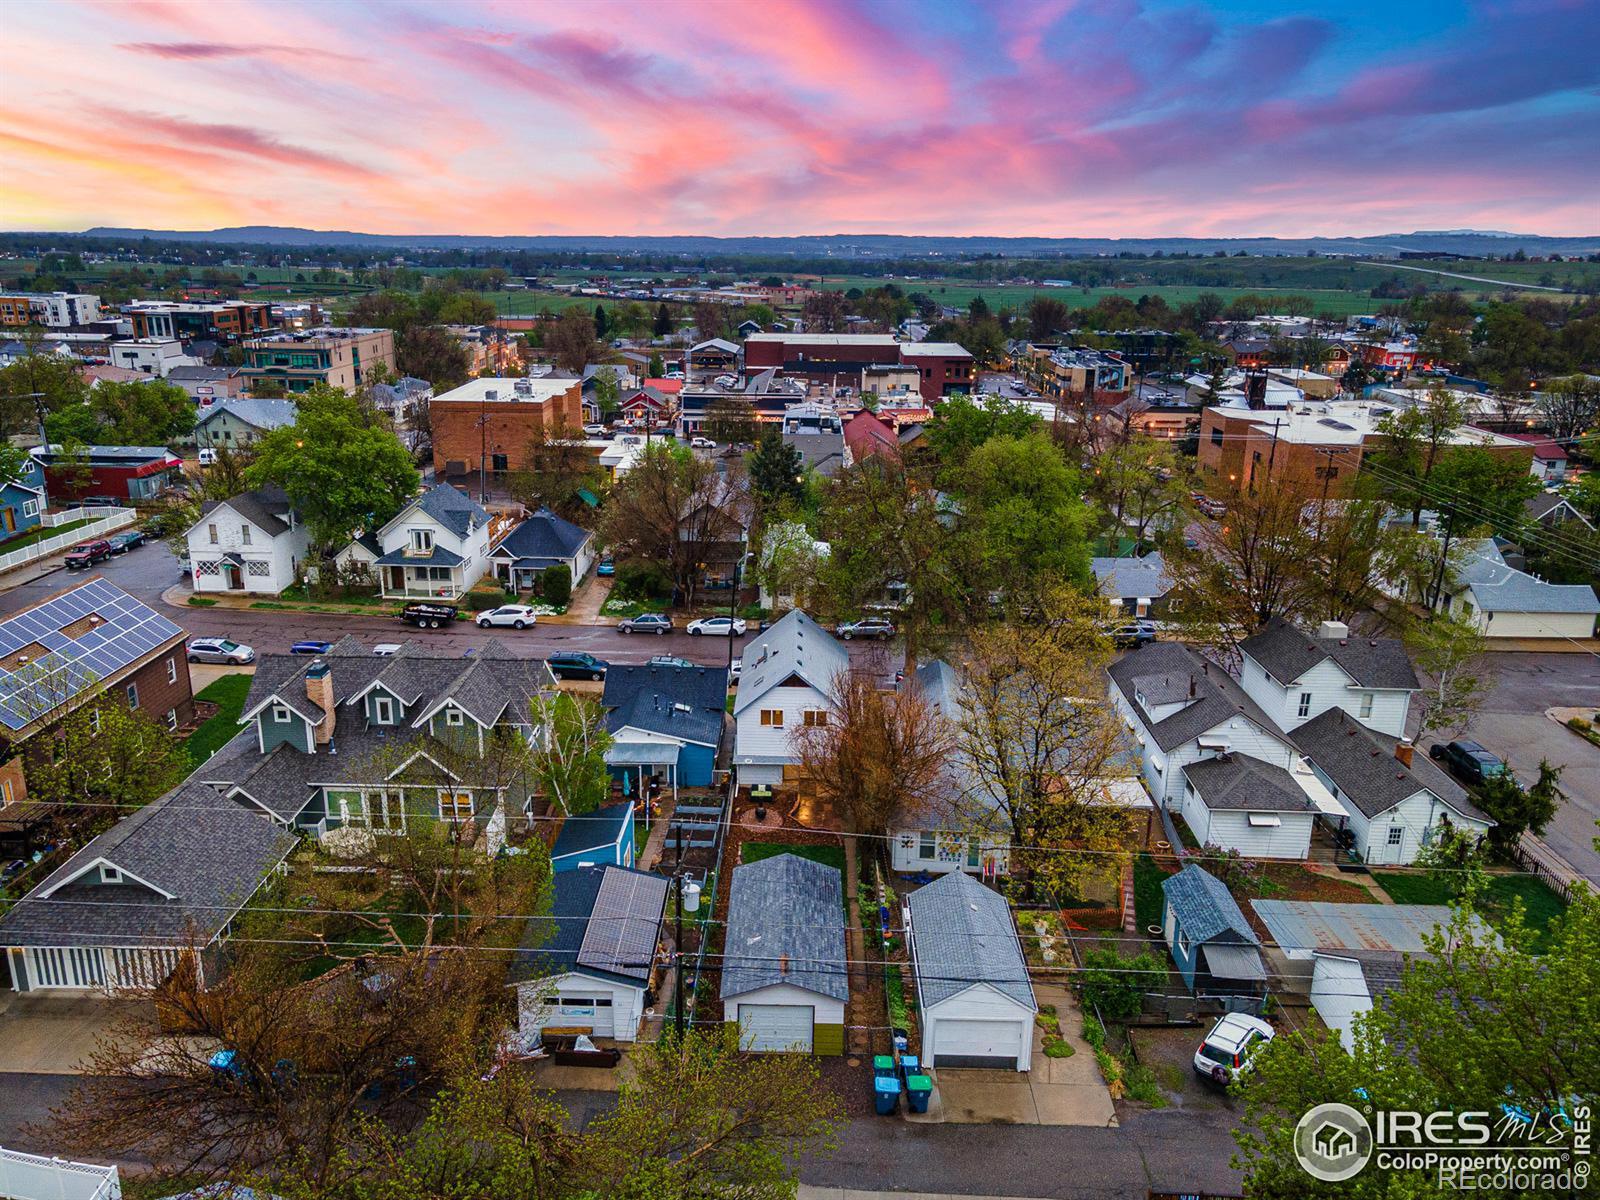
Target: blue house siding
(1185, 962)
(569, 853)
(16, 501)
(275, 733)
(695, 765)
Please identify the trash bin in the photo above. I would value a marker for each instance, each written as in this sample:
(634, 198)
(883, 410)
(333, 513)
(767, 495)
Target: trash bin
(919, 1090)
(910, 1065)
(902, 1040)
(883, 1065)
(886, 1092)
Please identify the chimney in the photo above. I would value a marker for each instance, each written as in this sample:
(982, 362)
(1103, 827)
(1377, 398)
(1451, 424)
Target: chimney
(319, 690)
(1191, 687)
(1334, 629)
(1403, 750)
(783, 964)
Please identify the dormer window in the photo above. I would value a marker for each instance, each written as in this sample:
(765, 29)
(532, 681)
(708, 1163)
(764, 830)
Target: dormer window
(280, 714)
(383, 710)
(422, 541)
(455, 717)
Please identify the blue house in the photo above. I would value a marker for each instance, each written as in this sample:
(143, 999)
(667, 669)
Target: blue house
(22, 500)
(1217, 952)
(665, 722)
(601, 838)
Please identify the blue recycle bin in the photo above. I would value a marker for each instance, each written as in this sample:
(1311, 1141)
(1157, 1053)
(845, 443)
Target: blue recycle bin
(919, 1090)
(886, 1094)
(225, 1066)
(909, 1065)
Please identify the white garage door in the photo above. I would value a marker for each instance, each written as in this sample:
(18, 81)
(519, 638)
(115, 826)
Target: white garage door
(580, 1011)
(775, 1027)
(977, 1043)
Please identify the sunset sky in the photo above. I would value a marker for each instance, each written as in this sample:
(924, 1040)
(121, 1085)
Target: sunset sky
(1041, 117)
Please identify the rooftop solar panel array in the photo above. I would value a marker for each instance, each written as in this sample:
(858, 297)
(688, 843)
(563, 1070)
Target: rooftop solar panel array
(126, 632)
(621, 936)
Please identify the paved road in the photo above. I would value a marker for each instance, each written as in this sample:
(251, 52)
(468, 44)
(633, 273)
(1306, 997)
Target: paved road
(1503, 283)
(1168, 1151)
(1513, 725)
(150, 570)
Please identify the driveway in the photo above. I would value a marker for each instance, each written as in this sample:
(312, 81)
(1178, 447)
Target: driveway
(1057, 1091)
(1512, 724)
(56, 1032)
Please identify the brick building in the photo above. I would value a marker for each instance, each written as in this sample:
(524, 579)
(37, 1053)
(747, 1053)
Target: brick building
(90, 643)
(838, 359)
(490, 421)
(121, 473)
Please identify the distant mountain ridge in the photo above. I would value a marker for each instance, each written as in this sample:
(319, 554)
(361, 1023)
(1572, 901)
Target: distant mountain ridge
(845, 245)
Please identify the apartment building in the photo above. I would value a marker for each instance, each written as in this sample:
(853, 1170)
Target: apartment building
(58, 310)
(485, 425)
(227, 320)
(839, 359)
(337, 356)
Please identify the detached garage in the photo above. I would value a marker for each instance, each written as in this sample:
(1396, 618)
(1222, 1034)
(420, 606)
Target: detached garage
(785, 981)
(977, 1004)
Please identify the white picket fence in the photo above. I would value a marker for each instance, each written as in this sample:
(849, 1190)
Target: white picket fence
(35, 1177)
(107, 520)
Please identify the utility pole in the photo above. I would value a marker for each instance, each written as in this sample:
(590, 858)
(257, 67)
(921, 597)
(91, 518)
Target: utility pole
(483, 449)
(677, 937)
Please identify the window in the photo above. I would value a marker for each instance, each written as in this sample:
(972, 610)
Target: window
(455, 806)
(422, 541)
(211, 530)
(94, 720)
(973, 860)
(5, 792)
(172, 669)
(257, 567)
(172, 719)
(1216, 435)
(133, 695)
(109, 874)
(244, 534)
(1305, 704)
(1366, 705)
(386, 810)
(30, 508)
(454, 717)
(772, 718)
(1183, 943)
(928, 848)
(814, 718)
(383, 710)
(347, 808)
(1397, 834)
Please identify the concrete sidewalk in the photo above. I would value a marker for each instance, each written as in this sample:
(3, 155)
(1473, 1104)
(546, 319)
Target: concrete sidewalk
(55, 1033)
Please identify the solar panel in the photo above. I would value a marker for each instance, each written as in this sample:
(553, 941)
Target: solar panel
(621, 934)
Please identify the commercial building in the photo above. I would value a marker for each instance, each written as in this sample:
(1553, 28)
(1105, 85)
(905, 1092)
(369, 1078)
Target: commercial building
(485, 425)
(151, 356)
(117, 473)
(333, 355)
(838, 359)
(58, 310)
(226, 321)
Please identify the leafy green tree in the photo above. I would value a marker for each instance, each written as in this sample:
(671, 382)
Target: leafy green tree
(607, 394)
(777, 470)
(1411, 444)
(1022, 505)
(433, 353)
(1114, 984)
(657, 366)
(36, 383)
(1478, 1022)
(570, 762)
(1449, 651)
(555, 584)
(105, 756)
(341, 472)
(1472, 486)
(149, 412)
(1454, 859)
(961, 424)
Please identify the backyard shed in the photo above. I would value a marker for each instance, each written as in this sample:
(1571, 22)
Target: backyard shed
(976, 1001)
(1217, 952)
(785, 981)
(595, 839)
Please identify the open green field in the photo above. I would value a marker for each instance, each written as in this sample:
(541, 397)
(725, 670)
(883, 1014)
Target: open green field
(961, 292)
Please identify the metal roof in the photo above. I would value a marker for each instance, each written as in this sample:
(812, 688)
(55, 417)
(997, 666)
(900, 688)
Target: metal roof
(1316, 925)
(1233, 962)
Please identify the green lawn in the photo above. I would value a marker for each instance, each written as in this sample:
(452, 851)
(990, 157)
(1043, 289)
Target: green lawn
(1147, 896)
(228, 695)
(1541, 906)
(40, 533)
(831, 856)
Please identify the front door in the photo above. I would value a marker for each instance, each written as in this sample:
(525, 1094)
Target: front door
(233, 577)
(8, 519)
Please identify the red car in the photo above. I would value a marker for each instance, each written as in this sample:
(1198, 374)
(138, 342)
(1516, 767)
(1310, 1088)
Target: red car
(86, 554)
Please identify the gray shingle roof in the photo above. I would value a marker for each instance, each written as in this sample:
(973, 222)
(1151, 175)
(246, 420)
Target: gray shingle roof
(1217, 695)
(265, 415)
(543, 536)
(1132, 578)
(209, 855)
(598, 830)
(796, 645)
(649, 697)
(451, 508)
(1237, 781)
(1500, 588)
(1286, 653)
(785, 925)
(437, 557)
(264, 508)
(1362, 762)
(604, 921)
(1205, 909)
(962, 935)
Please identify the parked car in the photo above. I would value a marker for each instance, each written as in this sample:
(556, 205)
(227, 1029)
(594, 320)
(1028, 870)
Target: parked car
(310, 647)
(718, 626)
(220, 650)
(1134, 634)
(607, 566)
(12, 869)
(656, 623)
(735, 669)
(518, 616)
(1228, 1050)
(386, 649)
(122, 542)
(670, 660)
(576, 664)
(595, 430)
(1211, 508)
(86, 554)
(702, 443)
(428, 616)
(206, 456)
(867, 627)
(1467, 761)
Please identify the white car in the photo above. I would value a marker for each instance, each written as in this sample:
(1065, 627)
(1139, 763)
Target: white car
(702, 443)
(518, 616)
(1229, 1048)
(595, 430)
(735, 669)
(386, 649)
(718, 626)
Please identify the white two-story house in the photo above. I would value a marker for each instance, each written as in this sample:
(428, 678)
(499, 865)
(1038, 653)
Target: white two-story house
(253, 543)
(1296, 676)
(787, 685)
(435, 548)
(1182, 708)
